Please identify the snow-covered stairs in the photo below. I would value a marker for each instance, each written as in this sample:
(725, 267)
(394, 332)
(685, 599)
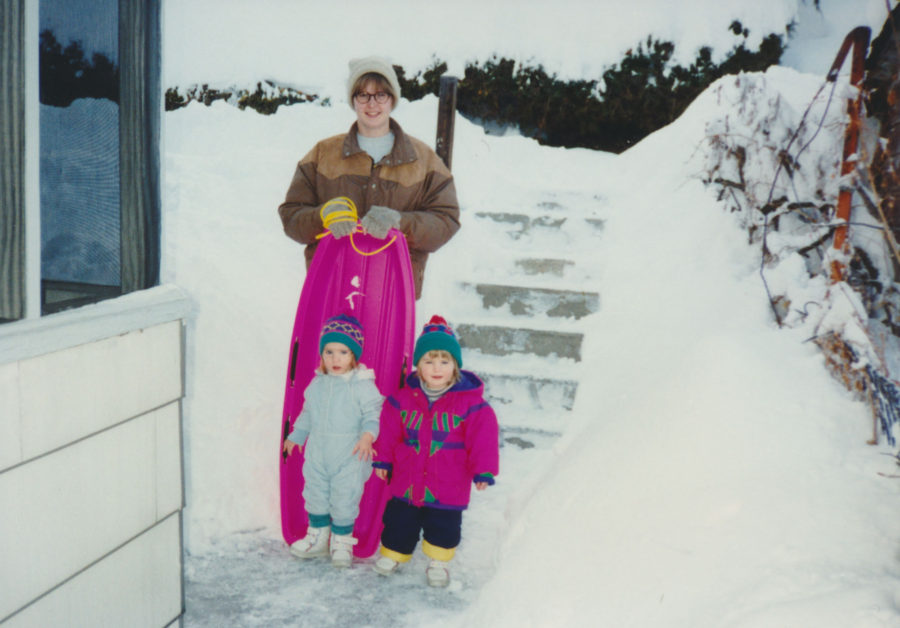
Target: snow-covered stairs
(525, 301)
(524, 333)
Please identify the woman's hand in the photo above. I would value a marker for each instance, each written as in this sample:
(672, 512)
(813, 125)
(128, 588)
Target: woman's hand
(339, 225)
(289, 446)
(382, 474)
(480, 486)
(364, 449)
(379, 220)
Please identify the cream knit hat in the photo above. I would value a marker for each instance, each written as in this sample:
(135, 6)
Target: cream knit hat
(378, 65)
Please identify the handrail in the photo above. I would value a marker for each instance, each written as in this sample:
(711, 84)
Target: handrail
(858, 39)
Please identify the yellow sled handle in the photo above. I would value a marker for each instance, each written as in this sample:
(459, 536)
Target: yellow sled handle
(343, 216)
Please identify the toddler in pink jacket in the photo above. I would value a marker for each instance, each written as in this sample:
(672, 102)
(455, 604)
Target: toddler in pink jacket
(438, 437)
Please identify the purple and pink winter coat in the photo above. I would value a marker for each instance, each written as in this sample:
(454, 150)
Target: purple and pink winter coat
(437, 451)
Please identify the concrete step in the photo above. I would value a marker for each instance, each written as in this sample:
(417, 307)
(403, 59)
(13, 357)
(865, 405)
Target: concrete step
(516, 225)
(539, 393)
(496, 340)
(544, 266)
(524, 301)
(527, 438)
(528, 402)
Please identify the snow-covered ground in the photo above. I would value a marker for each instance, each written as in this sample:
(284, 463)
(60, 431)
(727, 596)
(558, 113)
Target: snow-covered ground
(712, 473)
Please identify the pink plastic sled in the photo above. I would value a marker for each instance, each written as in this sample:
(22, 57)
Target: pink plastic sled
(373, 282)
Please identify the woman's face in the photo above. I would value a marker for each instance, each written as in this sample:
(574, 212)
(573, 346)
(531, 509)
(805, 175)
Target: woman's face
(373, 117)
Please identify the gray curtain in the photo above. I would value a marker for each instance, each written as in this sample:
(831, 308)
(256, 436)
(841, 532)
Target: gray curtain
(139, 93)
(12, 159)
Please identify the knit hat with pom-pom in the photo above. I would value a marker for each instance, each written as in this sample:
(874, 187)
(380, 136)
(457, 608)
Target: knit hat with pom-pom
(344, 329)
(437, 335)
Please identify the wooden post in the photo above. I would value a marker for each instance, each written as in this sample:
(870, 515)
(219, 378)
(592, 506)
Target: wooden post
(446, 119)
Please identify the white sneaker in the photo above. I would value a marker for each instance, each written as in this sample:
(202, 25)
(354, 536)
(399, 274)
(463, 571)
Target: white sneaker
(438, 573)
(342, 549)
(385, 566)
(315, 543)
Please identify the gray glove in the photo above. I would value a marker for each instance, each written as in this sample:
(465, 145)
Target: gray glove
(380, 220)
(340, 228)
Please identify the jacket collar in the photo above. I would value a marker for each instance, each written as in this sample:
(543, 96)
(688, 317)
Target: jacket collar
(359, 373)
(468, 381)
(402, 152)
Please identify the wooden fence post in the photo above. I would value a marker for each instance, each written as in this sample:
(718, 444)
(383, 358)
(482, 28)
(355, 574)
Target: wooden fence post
(446, 119)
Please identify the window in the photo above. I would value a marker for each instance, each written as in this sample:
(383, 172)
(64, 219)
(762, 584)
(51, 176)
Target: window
(12, 160)
(99, 109)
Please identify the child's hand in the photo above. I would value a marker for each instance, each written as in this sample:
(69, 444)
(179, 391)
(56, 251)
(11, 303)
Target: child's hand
(480, 486)
(382, 474)
(363, 449)
(289, 446)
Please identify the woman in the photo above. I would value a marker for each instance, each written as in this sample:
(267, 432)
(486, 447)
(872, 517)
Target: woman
(394, 179)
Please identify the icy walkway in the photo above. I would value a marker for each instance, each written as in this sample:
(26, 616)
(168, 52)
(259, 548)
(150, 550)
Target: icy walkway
(250, 579)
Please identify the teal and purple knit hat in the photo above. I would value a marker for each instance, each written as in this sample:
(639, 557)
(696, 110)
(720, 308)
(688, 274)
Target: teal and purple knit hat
(344, 329)
(437, 335)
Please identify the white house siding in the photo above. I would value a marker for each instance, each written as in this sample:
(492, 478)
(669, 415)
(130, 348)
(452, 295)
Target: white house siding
(134, 586)
(10, 427)
(91, 472)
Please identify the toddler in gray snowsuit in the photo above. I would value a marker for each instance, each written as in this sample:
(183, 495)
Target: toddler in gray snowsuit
(338, 425)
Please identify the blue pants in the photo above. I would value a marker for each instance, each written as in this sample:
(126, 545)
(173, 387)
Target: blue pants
(403, 524)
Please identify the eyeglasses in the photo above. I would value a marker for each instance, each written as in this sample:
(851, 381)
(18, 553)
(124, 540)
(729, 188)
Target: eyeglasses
(364, 97)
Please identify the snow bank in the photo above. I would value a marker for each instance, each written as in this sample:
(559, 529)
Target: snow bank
(717, 475)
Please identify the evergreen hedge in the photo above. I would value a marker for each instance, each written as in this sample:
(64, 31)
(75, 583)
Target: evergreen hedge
(642, 93)
(264, 99)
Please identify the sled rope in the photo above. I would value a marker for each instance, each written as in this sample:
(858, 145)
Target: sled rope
(346, 215)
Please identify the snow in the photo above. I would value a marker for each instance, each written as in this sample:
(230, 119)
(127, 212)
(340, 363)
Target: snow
(307, 44)
(711, 472)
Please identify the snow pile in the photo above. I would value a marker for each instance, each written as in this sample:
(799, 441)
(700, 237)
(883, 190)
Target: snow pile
(718, 475)
(774, 156)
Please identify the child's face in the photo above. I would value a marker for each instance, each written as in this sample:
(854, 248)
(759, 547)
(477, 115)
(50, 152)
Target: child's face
(337, 358)
(436, 370)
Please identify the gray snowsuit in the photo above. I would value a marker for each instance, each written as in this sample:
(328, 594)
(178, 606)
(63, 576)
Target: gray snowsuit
(337, 410)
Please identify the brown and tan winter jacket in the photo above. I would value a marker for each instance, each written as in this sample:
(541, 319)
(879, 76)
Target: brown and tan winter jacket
(411, 179)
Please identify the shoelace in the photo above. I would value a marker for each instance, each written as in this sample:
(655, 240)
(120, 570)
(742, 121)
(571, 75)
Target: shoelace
(340, 542)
